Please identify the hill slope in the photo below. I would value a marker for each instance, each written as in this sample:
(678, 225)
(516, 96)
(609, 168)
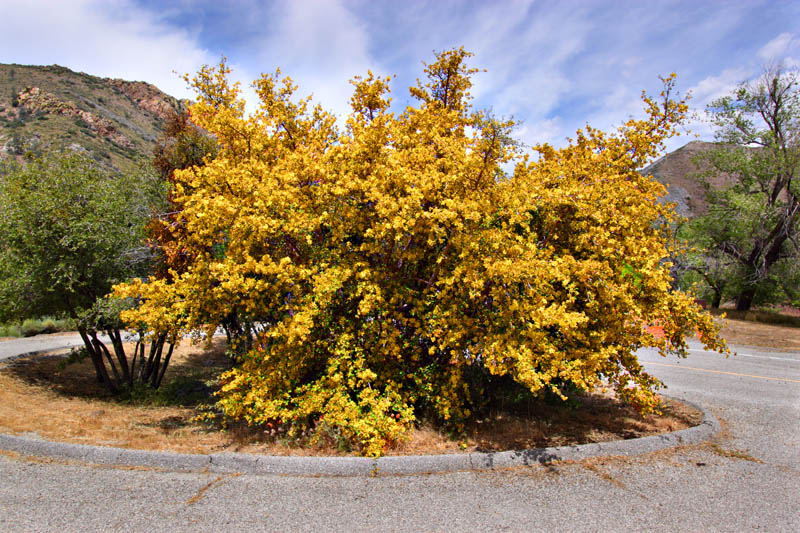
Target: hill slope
(47, 107)
(118, 122)
(677, 169)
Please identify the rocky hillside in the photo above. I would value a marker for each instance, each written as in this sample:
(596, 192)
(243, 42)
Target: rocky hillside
(677, 170)
(117, 122)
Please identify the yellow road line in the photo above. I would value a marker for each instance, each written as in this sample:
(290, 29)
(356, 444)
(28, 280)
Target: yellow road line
(720, 372)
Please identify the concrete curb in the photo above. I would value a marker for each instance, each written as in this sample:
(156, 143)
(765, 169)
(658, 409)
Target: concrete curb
(357, 466)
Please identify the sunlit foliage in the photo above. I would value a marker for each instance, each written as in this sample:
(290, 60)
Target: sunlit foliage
(389, 264)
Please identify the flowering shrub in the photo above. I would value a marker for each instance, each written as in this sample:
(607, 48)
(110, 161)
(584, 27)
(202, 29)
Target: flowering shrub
(383, 263)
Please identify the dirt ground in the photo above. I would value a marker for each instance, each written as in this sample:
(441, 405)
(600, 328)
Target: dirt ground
(746, 333)
(37, 397)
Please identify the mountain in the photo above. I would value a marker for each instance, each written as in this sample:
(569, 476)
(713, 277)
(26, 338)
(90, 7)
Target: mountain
(677, 169)
(117, 122)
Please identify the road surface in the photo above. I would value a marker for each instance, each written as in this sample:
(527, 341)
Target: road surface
(746, 479)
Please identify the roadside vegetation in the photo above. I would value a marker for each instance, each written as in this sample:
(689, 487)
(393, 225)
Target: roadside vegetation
(37, 326)
(71, 230)
(746, 247)
(408, 281)
(391, 271)
(41, 395)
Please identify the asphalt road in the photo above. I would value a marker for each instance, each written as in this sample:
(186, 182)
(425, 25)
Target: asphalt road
(39, 343)
(748, 478)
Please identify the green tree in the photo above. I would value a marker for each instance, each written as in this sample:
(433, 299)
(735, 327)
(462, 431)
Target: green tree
(70, 230)
(704, 264)
(752, 224)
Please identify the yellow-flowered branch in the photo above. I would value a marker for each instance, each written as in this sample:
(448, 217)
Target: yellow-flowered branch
(382, 263)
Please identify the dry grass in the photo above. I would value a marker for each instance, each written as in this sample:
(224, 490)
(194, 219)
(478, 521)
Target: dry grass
(747, 333)
(600, 418)
(36, 397)
(733, 454)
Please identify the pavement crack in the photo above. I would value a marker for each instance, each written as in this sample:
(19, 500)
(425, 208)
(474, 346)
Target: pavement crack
(602, 474)
(202, 491)
(734, 454)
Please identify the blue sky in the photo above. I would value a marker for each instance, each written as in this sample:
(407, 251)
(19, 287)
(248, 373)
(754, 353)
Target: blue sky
(554, 66)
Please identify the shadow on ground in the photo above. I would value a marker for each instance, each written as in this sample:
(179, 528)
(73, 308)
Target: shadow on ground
(190, 383)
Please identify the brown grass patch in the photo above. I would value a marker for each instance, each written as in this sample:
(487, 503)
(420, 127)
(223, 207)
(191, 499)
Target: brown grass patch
(749, 333)
(38, 398)
(599, 418)
(733, 454)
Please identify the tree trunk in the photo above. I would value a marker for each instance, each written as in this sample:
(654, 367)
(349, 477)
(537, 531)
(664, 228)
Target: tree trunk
(119, 351)
(97, 360)
(164, 366)
(717, 299)
(745, 299)
(101, 348)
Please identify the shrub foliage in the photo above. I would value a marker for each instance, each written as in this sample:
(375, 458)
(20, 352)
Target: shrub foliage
(385, 265)
(71, 229)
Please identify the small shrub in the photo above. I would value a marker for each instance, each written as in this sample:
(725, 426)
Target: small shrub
(10, 330)
(35, 327)
(31, 327)
(181, 391)
(66, 324)
(76, 355)
(16, 145)
(184, 390)
(49, 326)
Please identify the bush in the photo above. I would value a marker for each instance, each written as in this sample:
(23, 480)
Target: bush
(66, 324)
(76, 355)
(10, 331)
(180, 392)
(49, 326)
(31, 327)
(394, 269)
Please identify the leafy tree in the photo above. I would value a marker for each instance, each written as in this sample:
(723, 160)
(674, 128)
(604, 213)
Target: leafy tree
(184, 146)
(752, 225)
(393, 269)
(70, 232)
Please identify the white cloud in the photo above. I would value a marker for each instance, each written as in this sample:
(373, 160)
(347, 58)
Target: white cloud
(527, 56)
(779, 48)
(714, 87)
(321, 46)
(542, 131)
(554, 66)
(103, 38)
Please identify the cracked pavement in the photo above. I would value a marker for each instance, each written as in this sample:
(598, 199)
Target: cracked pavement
(746, 478)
